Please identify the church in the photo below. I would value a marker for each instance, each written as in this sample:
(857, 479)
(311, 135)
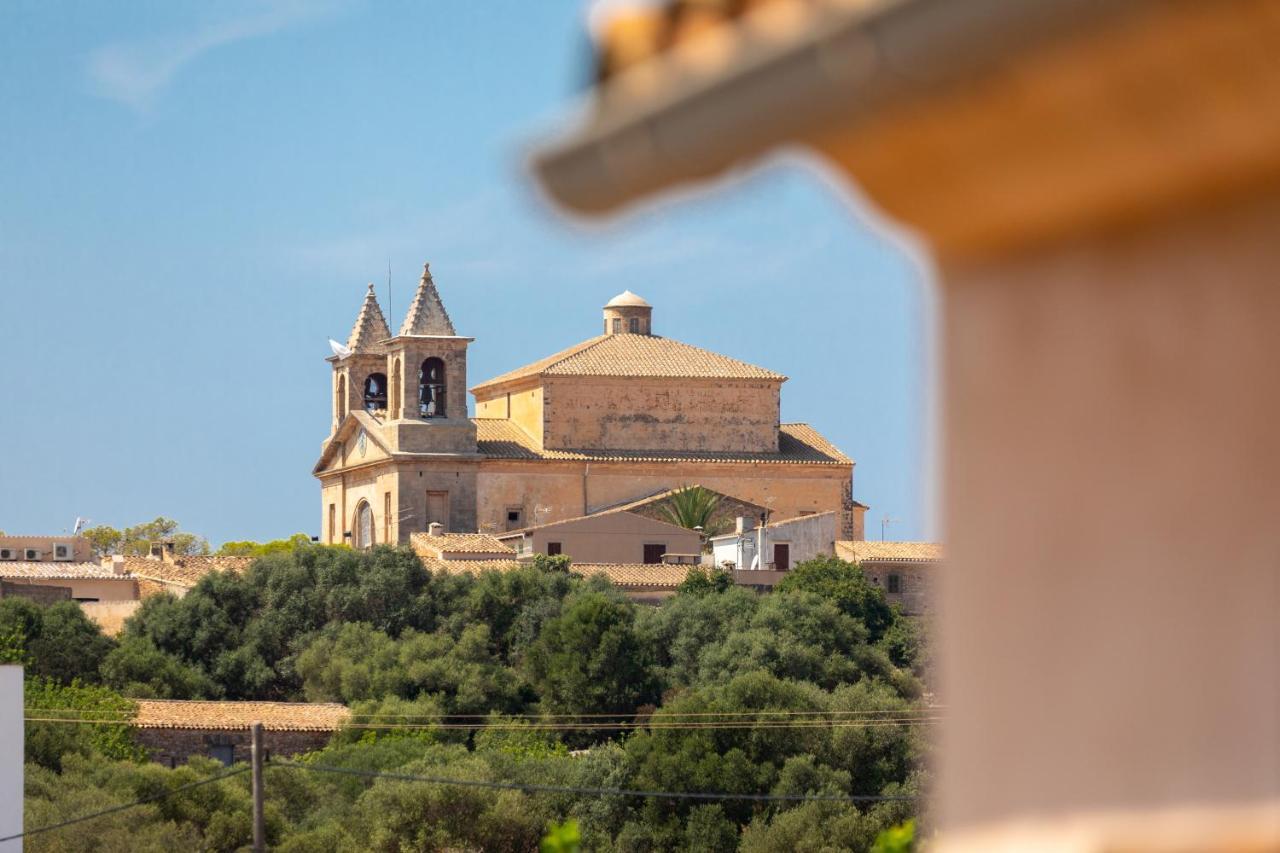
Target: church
(616, 418)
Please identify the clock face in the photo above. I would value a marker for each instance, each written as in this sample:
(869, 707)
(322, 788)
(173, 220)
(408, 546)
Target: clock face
(362, 443)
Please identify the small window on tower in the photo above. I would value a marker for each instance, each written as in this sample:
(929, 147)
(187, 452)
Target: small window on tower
(617, 325)
(553, 549)
(634, 325)
(514, 516)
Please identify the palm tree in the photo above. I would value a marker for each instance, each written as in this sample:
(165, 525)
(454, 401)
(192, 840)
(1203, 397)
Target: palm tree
(693, 507)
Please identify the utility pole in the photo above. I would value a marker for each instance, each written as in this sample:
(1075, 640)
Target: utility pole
(255, 758)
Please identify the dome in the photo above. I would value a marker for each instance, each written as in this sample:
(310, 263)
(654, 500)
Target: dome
(627, 299)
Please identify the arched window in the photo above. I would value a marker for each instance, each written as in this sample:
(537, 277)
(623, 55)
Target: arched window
(431, 389)
(375, 392)
(363, 526)
(341, 399)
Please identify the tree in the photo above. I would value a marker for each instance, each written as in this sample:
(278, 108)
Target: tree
(588, 659)
(702, 580)
(136, 541)
(49, 743)
(693, 507)
(844, 585)
(57, 641)
(249, 548)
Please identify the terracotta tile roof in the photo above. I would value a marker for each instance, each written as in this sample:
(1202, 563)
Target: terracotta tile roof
(457, 543)
(184, 571)
(457, 567)
(637, 356)
(58, 571)
(866, 552)
(631, 575)
(274, 716)
(798, 444)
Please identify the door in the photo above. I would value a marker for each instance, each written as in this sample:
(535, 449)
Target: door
(437, 510)
(781, 556)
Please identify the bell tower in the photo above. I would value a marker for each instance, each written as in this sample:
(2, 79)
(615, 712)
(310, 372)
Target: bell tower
(426, 366)
(359, 380)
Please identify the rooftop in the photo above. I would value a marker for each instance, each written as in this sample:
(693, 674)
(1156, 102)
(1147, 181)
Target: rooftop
(797, 444)
(457, 543)
(634, 575)
(274, 716)
(184, 571)
(648, 356)
(627, 299)
(874, 552)
(58, 571)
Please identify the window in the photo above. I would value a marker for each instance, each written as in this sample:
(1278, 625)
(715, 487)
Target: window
(431, 389)
(515, 515)
(225, 753)
(437, 510)
(653, 553)
(781, 556)
(386, 516)
(895, 584)
(553, 549)
(364, 525)
(375, 392)
(333, 523)
(617, 325)
(634, 325)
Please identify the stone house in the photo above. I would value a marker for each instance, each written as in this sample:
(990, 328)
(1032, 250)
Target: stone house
(165, 571)
(172, 730)
(606, 421)
(1094, 184)
(906, 571)
(612, 536)
(63, 562)
(783, 543)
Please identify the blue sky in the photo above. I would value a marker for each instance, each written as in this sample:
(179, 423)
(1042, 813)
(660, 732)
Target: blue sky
(192, 197)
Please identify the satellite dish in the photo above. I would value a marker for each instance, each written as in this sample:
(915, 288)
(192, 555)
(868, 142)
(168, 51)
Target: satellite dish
(338, 349)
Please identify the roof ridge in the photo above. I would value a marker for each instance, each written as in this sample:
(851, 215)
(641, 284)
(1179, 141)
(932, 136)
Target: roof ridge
(535, 368)
(427, 314)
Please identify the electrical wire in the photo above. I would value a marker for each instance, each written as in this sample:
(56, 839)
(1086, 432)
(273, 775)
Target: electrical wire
(910, 722)
(126, 806)
(598, 792)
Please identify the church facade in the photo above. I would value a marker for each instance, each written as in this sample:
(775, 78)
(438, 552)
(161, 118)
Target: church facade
(615, 418)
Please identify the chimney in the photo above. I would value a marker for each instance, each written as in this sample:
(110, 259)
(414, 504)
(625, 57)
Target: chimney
(435, 528)
(740, 525)
(117, 564)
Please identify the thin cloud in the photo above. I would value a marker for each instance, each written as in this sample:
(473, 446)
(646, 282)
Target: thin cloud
(135, 73)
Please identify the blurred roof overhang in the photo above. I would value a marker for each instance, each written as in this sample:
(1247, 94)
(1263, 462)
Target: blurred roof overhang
(979, 122)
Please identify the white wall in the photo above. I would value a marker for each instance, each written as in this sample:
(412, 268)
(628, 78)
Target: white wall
(10, 756)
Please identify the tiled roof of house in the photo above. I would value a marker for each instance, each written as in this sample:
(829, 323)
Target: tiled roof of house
(867, 552)
(637, 356)
(457, 567)
(797, 444)
(57, 571)
(632, 575)
(458, 543)
(274, 716)
(184, 571)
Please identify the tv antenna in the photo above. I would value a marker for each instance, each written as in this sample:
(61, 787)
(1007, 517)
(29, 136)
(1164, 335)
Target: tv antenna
(885, 522)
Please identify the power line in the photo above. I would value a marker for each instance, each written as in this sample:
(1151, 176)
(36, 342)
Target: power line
(570, 727)
(598, 792)
(126, 806)
(621, 715)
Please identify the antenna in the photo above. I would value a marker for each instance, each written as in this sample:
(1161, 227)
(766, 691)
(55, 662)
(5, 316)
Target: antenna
(885, 522)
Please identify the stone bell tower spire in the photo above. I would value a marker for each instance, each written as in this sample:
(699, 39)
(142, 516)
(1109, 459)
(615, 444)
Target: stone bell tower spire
(427, 315)
(371, 329)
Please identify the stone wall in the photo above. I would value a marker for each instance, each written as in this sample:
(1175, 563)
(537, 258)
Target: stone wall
(172, 747)
(561, 490)
(656, 414)
(917, 589)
